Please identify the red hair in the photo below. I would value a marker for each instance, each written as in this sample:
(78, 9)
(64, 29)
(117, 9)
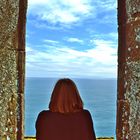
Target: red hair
(65, 97)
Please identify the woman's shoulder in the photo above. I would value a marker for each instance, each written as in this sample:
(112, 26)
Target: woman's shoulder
(43, 113)
(86, 115)
(86, 111)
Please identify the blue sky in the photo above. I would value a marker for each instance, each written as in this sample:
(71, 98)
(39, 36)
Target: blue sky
(71, 38)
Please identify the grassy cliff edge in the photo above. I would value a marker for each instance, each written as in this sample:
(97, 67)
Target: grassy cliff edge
(100, 138)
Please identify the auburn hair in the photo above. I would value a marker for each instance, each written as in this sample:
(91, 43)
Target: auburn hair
(65, 97)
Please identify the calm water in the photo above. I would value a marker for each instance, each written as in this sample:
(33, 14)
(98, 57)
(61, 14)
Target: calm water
(99, 97)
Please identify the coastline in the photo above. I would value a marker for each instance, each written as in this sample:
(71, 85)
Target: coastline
(100, 138)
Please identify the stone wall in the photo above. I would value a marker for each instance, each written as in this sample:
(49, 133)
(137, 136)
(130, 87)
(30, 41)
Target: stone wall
(128, 113)
(12, 62)
(12, 54)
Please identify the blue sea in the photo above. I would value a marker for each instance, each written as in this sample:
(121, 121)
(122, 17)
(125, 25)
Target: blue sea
(98, 95)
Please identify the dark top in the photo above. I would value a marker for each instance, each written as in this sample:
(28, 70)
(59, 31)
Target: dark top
(59, 126)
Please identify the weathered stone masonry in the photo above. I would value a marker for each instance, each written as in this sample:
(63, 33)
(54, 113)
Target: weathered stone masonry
(12, 61)
(128, 111)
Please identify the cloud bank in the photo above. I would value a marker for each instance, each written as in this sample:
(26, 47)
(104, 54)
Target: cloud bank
(65, 61)
(62, 49)
(60, 11)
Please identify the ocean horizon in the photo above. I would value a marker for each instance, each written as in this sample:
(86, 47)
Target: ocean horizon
(99, 97)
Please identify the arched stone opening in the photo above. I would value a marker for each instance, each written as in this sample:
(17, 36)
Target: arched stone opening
(12, 71)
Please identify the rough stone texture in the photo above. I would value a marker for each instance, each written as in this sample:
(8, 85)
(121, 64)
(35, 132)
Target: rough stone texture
(132, 7)
(8, 19)
(128, 109)
(12, 68)
(8, 69)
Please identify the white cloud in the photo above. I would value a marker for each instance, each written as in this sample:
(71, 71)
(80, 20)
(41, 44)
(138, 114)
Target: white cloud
(108, 19)
(41, 25)
(106, 5)
(107, 9)
(60, 11)
(28, 49)
(104, 52)
(99, 61)
(69, 12)
(77, 40)
(113, 36)
(37, 2)
(53, 42)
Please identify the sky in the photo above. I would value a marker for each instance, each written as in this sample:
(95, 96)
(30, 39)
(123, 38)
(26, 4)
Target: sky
(71, 38)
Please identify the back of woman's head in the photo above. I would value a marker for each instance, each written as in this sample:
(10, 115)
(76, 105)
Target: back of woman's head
(65, 97)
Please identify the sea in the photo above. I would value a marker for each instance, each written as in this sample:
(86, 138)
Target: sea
(99, 97)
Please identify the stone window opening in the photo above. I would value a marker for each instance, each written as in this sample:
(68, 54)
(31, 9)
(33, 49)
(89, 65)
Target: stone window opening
(12, 73)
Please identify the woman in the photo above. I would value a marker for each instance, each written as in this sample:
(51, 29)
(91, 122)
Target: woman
(66, 119)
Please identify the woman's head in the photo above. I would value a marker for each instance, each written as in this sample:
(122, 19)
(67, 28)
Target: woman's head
(65, 97)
